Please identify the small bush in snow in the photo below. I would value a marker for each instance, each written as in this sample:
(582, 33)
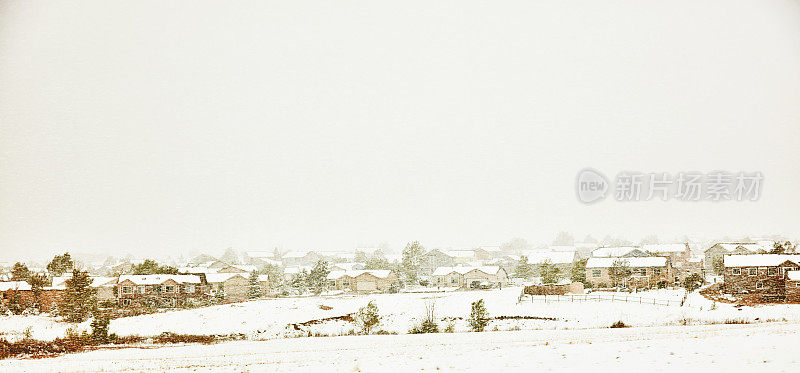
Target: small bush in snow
(619, 324)
(368, 317)
(693, 282)
(478, 317)
(429, 324)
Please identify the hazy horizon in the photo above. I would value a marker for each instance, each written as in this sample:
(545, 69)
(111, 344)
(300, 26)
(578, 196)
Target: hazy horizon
(159, 128)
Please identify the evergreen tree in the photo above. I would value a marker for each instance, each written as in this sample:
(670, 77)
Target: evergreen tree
(37, 283)
(317, 279)
(255, 286)
(230, 256)
(79, 299)
(20, 272)
(578, 272)
(300, 281)
(368, 317)
(524, 269)
(412, 256)
(478, 316)
(549, 273)
(60, 265)
(151, 267)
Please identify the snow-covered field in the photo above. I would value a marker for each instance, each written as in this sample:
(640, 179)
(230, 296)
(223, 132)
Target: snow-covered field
(268, 318)
(708, 348)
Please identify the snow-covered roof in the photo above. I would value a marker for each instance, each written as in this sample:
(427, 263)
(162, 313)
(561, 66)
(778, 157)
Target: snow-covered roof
(665, 248)
(296, 254)
(214, 278)
(611, 252)
(244, 267)
(14, 285)
(263, 278)
(442, 271)
(563, 248)
(379, 273)
(460, 253)
(646, 261)
(349, 266)
(295, 270)
(198, 270)
(555, 257)
(696, 259)
(160, 279)
(793, 275)
(752, 247)
(758, 260)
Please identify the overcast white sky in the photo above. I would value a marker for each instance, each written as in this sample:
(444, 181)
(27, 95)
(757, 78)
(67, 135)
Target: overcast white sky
(157, 126)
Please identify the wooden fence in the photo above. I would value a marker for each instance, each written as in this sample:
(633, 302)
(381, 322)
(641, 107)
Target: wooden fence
(597, 297)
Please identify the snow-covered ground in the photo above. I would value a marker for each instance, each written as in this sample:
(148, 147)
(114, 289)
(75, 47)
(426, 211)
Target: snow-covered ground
(268, 318)
(708, 348)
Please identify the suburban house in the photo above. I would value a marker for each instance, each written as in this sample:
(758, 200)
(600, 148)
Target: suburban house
(470, 277)
(792, 286)
(300, 258)
(674, 251)
(47, 300)
(584, 249)
(228, 287)
(363, 280)
(679, 256)
(434, 259)
(158, 290)
(645, 271)
(715, 252)
(618, 252)
(563, 260)
(104, 286)
(762, 274)
(262, 258)
(346, 266)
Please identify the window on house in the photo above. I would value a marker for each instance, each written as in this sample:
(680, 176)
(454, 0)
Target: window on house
(797, 284)
(640, 271)
(140, 289)
(345, 283)
(127, 290)
(737, 271)
(596, 273)
(657, 271)
(170, 288)
(760, 285)
(752, 272)
(190, 289)
(332, 283)
(772, 271)
(453, 280)
(126, 302)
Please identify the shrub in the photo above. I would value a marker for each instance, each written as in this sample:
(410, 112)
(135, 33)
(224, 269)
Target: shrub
(429, 324)
(619, 324)
(693, 282)
(368, 317)
(100, 330)
(451, 327)
(478, 317)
